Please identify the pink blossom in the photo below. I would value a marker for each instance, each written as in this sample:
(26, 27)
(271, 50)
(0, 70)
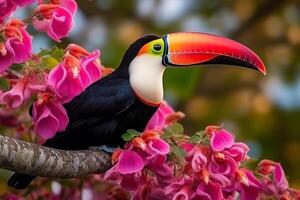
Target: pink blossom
(23, 2)
(129, 162)
(149, 191)
(23, 90)
(238, 151)
(164, 116)
(197, 159)
(221, 139)
(247, 184)
(68, 78)
(15, 97)
(222, 164)
(18, 44)
(74, 74)
(7, 56)
(210, 191)
(6, 8)
(179, 190)
(279, 178)
(22, 47)
(49, 116)
(92, 65)
(57, 19)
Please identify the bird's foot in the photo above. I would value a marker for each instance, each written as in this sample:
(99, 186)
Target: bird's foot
(105, 148)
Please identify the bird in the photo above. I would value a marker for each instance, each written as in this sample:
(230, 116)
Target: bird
(129, 96)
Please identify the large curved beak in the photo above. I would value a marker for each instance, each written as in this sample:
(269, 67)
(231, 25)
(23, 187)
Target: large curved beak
(185, 49)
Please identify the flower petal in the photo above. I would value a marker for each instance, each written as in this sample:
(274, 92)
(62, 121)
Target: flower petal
(221, 140)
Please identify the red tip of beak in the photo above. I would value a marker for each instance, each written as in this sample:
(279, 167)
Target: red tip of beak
(199, 48)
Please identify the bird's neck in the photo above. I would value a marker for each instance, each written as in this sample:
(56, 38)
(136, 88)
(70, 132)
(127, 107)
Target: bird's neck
(146, 78)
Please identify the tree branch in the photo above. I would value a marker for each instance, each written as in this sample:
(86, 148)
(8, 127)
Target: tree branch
(33, 159)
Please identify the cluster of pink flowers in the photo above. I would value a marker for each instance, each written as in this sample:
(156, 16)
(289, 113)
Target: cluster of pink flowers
(17, 44)
(55, 18)
(77, 70)
(209, 169)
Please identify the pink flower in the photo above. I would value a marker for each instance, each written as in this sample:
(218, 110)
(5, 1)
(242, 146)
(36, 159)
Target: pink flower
(49, 116)
(221, 140)
(247, 184)
(149, 191)
(92, 65)
(274, 180)
(23, 90)
(6, 8)
(56, 18)
(18, 44)
(197, 159)
(74, 74)
(179, 190)
(164, 116)
(22, 47)
(210, 191)
(128, 170)
(68, 79)
(238, 151)
(7, 56)
(15, 97)
(222, 164)
(23, 2)
(279, 178)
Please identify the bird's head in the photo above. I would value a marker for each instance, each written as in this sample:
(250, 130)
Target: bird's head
(153, 54)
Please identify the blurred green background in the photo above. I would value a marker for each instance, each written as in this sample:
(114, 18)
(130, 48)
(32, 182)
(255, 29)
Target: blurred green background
(262, 111)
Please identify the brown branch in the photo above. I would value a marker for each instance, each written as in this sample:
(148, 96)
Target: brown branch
(33, 159)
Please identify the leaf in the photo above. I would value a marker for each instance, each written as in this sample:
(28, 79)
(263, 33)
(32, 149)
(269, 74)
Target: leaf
(195, 139)
(57, 53)
(178, 151)
(44, 52)
(4, 84)
(175, 129)
(133, 132)
(130, 134)
(200, 133)
(16, 67)
(127, 137)
(49, 62)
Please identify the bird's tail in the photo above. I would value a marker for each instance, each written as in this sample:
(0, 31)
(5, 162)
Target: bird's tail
(20, 181)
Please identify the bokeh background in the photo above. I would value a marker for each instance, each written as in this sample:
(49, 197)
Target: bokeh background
(263, 111)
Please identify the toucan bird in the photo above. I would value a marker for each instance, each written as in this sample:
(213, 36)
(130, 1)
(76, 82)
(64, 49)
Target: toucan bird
(128, 97)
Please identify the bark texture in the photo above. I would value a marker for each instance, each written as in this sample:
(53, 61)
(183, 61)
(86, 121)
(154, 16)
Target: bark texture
(33, 159)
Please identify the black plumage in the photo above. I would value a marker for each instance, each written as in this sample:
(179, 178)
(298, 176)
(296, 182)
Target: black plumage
(101, 114)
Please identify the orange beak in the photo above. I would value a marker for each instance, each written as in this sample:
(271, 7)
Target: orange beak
(185, 49)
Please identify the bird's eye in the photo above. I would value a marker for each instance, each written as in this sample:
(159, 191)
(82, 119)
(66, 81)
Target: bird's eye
(157, 47)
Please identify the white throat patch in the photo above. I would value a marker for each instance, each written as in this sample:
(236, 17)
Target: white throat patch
(146, 77)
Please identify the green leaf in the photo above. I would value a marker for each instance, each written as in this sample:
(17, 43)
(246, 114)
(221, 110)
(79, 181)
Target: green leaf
(195, 139)
(179, 152)
(16, 67)
(200, 133)
(175, 129)
(4, 84)
(133, 132)
(44, 52)
(57, 53)
(130, 134)
(49, 62)
(127, 137)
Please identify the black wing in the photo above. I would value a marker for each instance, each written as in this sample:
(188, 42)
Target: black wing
(104, 99)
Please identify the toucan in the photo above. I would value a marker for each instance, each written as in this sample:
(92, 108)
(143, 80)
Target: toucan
(128, 97)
